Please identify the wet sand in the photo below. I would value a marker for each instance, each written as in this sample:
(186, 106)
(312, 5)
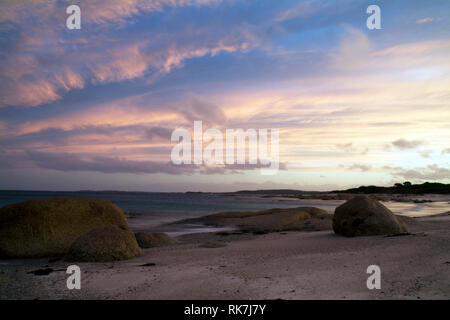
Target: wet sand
(287, 265)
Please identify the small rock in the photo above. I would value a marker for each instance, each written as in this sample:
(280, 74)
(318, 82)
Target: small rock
(150, 264)
(42, 272)
(398, 234)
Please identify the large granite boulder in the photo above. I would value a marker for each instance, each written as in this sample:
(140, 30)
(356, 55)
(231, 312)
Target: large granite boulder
(155, 239)
(107, 243)
(48, 227)
(364, 216)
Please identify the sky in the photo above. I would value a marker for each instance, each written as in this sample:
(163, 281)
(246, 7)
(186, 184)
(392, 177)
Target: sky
(95, 108)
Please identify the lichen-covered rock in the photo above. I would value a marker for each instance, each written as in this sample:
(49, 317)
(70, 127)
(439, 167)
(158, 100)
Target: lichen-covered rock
(364, 216)
(48, 227)
(272, 220)
(107, 243)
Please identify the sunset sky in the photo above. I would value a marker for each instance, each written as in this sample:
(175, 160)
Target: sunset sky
(95, 108)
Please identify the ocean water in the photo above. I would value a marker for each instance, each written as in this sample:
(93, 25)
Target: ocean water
(155, 212)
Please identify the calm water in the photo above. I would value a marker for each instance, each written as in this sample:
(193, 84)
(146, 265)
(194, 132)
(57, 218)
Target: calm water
(152, 211)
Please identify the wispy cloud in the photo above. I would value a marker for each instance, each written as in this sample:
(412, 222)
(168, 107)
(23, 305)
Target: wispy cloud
(357, 167)
(424, 20)
(347, 147)
(94, 11)
(425, 153)
(431, 172)
(404, 144)
(70, 162)
(353, 51)
(41, 67)
(301, 10)
(113, 92)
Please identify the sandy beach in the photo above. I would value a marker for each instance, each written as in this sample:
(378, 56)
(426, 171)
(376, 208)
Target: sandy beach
(282, 265)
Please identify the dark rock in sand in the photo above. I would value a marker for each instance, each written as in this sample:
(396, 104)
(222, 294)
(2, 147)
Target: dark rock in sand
(150, 264)
(42, 272)
(48, 227)
(364, 216)
(150, 240)
(107, 243)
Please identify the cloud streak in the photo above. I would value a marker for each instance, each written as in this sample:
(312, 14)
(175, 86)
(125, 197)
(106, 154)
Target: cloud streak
(429, 173)
(404, 144)
(41, 67)
(347, 101)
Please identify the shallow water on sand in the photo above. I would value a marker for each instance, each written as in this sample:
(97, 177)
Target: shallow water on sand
(418, 209)
(154, 211)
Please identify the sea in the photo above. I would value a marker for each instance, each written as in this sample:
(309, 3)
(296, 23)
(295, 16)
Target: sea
(157, 212)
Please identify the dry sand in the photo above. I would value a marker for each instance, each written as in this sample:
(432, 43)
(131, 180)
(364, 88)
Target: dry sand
(288, 265)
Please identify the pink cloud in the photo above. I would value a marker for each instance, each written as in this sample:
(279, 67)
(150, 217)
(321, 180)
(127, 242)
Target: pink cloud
(45, 64)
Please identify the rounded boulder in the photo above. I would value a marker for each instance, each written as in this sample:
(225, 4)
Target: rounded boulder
(365, 216)
(48, 227)
(104, 244)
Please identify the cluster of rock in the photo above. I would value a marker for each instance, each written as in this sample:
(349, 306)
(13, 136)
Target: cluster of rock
(79, 229)
(83, 229)
(274, 220)
(360, 216)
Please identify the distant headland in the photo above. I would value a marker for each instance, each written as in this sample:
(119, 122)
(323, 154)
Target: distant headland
(398, 188)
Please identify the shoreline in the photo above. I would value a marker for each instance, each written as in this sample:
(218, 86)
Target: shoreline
(278, 265)
(209, 222)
